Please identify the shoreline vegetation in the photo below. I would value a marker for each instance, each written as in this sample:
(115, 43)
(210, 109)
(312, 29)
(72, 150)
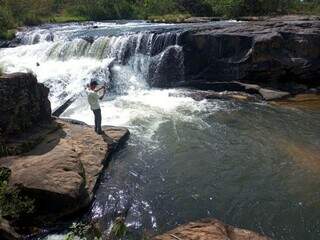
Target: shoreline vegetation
(14, 14)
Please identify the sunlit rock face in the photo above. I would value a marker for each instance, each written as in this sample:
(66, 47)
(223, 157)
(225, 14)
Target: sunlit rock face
(210, 229)
(67, 164)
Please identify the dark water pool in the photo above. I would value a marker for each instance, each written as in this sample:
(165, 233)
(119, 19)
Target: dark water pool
(250, 165)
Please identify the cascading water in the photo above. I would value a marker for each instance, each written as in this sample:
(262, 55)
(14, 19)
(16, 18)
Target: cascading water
(249, 164)
(65, 65)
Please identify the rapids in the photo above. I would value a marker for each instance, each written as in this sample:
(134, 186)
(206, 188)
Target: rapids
(251, 165)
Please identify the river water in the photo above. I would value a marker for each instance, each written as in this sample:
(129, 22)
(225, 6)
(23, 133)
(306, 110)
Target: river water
(251, 165)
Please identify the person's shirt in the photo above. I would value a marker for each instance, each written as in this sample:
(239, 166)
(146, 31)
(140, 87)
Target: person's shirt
(93, 99)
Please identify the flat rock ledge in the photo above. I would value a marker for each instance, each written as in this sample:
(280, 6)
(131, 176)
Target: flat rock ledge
(62, 171)
(210, 229)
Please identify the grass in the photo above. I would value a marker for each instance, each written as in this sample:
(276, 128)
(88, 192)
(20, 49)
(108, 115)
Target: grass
(8, 34)
(65, 18)
(169, 18)
(310, 9)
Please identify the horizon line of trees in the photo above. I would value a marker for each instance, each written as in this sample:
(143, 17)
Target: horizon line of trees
(32, 12)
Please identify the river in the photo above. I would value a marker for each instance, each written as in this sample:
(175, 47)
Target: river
(249, 164)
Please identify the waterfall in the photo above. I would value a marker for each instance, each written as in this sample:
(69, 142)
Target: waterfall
(119, 47)
(34, 37)
(69, 59)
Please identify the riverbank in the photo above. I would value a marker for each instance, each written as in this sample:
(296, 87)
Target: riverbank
(54, 163)
(15, 14)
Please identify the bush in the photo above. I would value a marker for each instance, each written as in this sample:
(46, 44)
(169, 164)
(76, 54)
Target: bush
(8, 34)
(170, 18)
(310, 7)
(84, 231)
(6, 22)
(195, 8)
(158, 8)
(31, 19)
(13, 205)
(119, 229)
(24, 12)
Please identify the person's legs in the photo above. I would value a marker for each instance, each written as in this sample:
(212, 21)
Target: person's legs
(97, 120)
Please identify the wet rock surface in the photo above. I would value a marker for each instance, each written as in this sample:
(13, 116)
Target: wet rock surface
(209, 229)
(4, 44)
(301, 101)
(233, 90)
(277, 53)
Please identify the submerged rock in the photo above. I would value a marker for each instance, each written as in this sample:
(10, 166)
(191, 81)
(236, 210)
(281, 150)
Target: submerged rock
(233, 90)
(7, 232)
(209, 229)
(301, 101)
(200, 95)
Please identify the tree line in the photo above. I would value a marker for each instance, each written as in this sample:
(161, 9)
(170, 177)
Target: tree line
(15, 13)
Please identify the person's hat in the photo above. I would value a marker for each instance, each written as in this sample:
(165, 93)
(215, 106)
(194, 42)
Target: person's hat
(94, 83)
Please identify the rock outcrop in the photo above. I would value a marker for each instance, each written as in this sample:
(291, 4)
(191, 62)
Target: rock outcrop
(209, 229)
(274, 53)
(54, 162)
(24, 104)
(61, 172)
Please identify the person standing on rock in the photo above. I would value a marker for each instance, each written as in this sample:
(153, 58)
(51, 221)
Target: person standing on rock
(93, 99)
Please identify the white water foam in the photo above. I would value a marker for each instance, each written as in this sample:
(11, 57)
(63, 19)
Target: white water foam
(67, 65)
(142, 111)
(64, 78)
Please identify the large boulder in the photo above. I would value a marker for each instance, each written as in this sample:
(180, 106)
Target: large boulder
(24, 107)
(60, 173)
(210, 229)
(24, 103)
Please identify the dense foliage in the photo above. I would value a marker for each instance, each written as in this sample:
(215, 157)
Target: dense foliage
(30, 12)
(82, 230)
(13, 204)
